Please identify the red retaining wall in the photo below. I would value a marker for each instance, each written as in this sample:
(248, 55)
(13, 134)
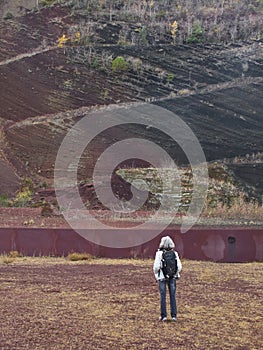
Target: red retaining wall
(224, 245)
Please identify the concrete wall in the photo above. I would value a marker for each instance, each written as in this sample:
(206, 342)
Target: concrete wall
(223, 245)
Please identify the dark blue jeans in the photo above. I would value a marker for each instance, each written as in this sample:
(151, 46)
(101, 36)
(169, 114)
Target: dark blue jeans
(171, 283)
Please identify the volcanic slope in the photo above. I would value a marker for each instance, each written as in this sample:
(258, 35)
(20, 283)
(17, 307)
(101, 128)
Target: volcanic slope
(216, 89)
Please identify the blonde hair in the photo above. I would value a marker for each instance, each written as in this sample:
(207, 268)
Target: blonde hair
(166, 243)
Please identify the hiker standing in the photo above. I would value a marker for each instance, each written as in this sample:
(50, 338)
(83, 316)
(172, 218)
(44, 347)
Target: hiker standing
(166, 268)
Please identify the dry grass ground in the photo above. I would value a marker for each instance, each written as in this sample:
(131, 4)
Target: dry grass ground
(53, 303)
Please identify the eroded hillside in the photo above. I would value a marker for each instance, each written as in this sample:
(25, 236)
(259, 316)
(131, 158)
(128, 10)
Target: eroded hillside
(47, 86)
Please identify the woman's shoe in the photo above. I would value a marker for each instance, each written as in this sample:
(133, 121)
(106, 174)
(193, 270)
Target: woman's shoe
(162, 319)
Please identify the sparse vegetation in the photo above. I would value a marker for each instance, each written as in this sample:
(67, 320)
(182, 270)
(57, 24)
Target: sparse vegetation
(7, 259)
(191, 21)
(79, 256)
(29, 222)
(5, 201)
(236, 208)
(8, 16)
(46, 209)
(23, 198)
(27, 184)
(47, 2)
(155, 22)
(226, 199)
(14, 254)
(10, 257)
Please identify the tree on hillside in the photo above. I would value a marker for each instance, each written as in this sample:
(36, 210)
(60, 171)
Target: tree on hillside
(197, 33)
(119, 65)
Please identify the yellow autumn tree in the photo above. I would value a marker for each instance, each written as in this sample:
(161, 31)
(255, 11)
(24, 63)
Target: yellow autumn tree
(174, 29)
(62, 40)
(77, 37)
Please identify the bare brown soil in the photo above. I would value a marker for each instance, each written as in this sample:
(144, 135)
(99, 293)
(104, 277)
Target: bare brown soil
(49, 303)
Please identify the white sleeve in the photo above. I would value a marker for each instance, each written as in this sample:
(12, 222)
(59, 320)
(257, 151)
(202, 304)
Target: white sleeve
(179, 264)
(157, 263)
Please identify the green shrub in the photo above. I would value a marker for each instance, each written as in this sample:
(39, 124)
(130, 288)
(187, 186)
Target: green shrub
(8, 16)
(27, 184)
(95, 63)
(161, 15)
(46, 2)
(4, 201)
(25, 195)
(119, 65)
(44, 185)
(197, 34)
(170, 77)
(23, 198)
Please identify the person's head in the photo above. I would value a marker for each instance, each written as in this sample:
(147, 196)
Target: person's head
(166, 243)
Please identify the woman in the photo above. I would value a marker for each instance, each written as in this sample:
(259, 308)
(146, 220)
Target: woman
(166, 244)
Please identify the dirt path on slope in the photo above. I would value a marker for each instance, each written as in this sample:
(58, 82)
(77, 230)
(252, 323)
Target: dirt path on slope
(37, 51)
